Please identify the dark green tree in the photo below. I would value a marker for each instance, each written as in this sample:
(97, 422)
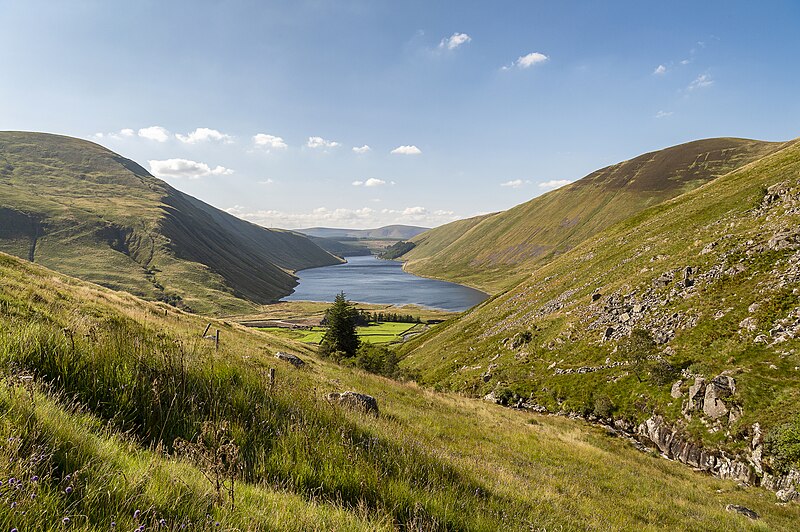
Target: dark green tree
(340, 339)
(637, 350)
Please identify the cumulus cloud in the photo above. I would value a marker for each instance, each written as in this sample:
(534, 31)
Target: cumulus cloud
(660, 69)
(267, 181)
(555, 183)
(514, 183)
(157, 133)
(361, 149)
(663, 114)
(180, 168)
(454, 41)
(701, 81)
(406, 150)
(203, 134)
(319, 142)
(371, 182)
(127, 132)
(270, 142)
(528, 60)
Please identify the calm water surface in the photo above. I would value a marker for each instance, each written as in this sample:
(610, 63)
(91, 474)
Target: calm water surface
(372, 280)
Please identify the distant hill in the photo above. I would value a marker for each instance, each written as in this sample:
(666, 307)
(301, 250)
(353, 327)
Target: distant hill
(399, 232)
(495, 251)
(83, 210)
(680, 323)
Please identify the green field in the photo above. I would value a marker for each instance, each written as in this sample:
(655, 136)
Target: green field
(374, 333)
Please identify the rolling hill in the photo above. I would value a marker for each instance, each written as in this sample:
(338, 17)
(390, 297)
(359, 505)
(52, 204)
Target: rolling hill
(679, 325)
(495, 251)
(80, 209)
(401, 232)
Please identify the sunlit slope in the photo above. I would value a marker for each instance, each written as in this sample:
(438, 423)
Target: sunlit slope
(144, 379)
(79, 208)
(492, 252)
(713, 276)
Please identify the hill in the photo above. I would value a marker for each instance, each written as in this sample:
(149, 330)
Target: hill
(495, 251)
(680, 324)
(400, 232)
(81, 209)
(117, 414)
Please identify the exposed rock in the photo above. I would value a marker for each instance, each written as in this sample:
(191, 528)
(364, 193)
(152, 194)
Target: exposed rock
(747, 512)
(748, 324)
(787, 495)
(757, 449)
(596, 296)
(786, 239)
(674, 445)
(294, 360)
(355, 401)
(720, 387)
(676, 392)
(697, 393)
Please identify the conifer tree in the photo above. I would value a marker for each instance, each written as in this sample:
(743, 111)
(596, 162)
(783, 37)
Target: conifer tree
(340, 338)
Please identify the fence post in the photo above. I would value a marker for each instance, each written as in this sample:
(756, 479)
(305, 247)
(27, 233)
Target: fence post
(206, 331)
(271, 377)
(216, 340)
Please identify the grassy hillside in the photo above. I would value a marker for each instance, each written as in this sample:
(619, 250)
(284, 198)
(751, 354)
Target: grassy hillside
(711, 278)
(101, 390)
(81, 209)
(495, 251)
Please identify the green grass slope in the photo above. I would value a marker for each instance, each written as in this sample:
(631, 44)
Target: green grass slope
(100, 388)
(494, 252)
(81, 209)
(713, 276)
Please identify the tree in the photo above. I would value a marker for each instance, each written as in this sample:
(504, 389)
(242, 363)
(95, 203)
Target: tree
(637, 349)
(340, 338)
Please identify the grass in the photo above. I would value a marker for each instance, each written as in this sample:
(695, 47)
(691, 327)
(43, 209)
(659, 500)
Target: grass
(374, 333)
(117, 382)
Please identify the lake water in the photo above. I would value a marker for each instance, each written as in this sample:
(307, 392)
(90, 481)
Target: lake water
(371, 280)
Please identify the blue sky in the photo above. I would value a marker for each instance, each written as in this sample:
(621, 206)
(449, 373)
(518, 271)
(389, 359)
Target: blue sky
(256, 107)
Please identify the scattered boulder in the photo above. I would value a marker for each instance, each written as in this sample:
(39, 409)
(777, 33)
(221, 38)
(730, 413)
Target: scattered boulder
(696, 395)
(292, 359)
(788, 494)
(676, 392)
(355, 401)
(747, 512)
(720, 387)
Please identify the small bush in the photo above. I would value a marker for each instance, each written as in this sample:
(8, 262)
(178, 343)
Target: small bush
(783, 446)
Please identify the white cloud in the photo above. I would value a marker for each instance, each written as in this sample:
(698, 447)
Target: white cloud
(267, 181)
(97, 136)
(362, 149)
(514, 183)
(406, 150)
(180, 168)
(371, 182)
(555, 183)
(527, 61)
(270, 142)
(686, 61)
(127, 132)
(202, 134)
(156, 133)
(701, 81)
(319, 142)
(663, 114)
(454, 41)
(660, 69)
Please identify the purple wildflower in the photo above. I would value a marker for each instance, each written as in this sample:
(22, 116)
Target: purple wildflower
(136, 514)
(12, 480)
(68, 490)
(66, 520)
(14, 530)
(113, 524)
(35, 478)
(162, 522)
(14, 504)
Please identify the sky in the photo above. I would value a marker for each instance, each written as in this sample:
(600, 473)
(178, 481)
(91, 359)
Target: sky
(363, 113)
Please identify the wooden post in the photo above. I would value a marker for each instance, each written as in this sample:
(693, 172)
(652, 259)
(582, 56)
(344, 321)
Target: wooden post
(206, 331)
(271, 377)
(216, 340)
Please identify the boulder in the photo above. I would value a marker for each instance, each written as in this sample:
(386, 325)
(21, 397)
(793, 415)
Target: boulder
(294, 360)
(696, 394)
(747, 512)
(676, 392)
(355, 401)
(720, 387)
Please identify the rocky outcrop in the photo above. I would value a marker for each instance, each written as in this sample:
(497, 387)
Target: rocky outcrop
(720, 387)
(747, 512)
(355, 401)
(676, 446)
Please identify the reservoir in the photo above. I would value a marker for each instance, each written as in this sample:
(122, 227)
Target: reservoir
(370, 280)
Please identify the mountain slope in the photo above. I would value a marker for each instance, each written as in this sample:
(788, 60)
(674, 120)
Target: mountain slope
(686, 314)
(102, 393)
(493, 252)
(81, 209)
(403, 232)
